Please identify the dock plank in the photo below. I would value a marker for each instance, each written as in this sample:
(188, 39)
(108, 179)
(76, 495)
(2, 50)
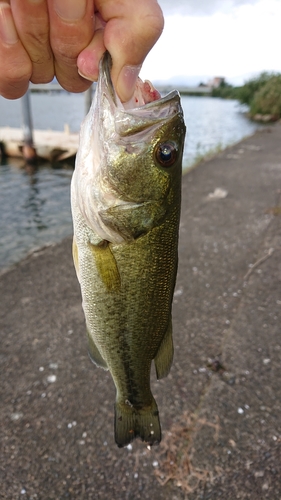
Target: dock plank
(50, 145)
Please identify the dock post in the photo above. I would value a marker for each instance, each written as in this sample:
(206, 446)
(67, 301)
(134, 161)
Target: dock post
(88, 99)
(28, 149)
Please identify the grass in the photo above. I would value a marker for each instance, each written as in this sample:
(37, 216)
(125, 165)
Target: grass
(203, 156)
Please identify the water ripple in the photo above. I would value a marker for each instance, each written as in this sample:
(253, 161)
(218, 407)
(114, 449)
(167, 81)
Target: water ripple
(34, 207)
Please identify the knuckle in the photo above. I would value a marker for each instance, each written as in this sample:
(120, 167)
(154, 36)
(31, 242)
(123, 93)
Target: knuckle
(41, 78)
(15, 77)
(38, 49)
(68, 47)
(66, 55)
(17, 74)
(70, 80)
(37, 38)
(154, 25)
(75, 86)
(149, 20)
(12, 90)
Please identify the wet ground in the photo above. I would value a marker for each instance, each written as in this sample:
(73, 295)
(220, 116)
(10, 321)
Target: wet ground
(219, 407)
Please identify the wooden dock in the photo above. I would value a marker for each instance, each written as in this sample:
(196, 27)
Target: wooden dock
(49, 144)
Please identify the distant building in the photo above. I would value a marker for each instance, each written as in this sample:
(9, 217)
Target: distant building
(216, 82)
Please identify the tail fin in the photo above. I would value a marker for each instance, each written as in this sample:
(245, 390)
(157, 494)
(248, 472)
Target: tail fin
(131, 423)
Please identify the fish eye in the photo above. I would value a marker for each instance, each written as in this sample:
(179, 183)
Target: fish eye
(166, 153)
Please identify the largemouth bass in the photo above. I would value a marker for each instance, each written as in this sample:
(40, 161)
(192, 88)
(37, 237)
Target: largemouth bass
(125, 197)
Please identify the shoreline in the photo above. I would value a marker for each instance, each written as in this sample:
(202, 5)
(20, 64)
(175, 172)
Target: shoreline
(202, 158)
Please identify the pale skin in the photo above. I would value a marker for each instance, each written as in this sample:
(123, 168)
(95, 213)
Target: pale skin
(40, 39)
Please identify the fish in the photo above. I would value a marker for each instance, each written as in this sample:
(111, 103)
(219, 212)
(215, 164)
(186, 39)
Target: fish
(125, 201)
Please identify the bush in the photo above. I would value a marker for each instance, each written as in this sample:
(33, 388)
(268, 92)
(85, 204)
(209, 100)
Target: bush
(245, 94)
(267, 100)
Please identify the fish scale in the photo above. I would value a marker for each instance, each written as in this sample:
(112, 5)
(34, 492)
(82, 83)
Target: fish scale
(126, 210)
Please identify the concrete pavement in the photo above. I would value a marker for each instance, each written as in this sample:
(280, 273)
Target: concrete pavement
(220, 406)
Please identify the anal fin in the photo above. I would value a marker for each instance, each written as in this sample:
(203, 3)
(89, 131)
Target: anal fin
(95, 354)
(164, 357)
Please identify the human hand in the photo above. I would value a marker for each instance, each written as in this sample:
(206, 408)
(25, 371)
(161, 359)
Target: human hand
(40, 39)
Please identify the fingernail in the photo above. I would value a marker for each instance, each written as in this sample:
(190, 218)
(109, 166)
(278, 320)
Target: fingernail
(87, 65)
(8, 32)
(87, 77)
(70, 10)
(127, 81)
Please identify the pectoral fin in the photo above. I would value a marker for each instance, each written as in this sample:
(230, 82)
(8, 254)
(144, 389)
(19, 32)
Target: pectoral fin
(95, 354)
(164, 357)
(106, 266)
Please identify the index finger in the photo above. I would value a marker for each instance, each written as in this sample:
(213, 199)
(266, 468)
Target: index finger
(71, 30)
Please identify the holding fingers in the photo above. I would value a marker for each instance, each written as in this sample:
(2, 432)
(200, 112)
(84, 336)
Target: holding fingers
(40, 39)
(130, 31)
(31, 20)
(16, 67)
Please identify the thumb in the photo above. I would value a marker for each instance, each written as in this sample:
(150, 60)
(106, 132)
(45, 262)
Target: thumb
(128, 41)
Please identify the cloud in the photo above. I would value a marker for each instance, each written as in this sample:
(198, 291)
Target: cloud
(201, 7)
(241, 43)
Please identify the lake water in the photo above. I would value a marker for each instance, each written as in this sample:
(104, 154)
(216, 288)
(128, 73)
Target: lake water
(35, 203)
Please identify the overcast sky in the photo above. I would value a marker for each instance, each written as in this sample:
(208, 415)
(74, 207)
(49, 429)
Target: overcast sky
(205, 38)
(201, 7)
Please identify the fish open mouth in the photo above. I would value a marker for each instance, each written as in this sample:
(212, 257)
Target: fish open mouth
(144, 93)
(146, 107)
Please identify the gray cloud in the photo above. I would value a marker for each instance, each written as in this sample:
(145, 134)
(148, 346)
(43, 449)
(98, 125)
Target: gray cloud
(200, 7)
